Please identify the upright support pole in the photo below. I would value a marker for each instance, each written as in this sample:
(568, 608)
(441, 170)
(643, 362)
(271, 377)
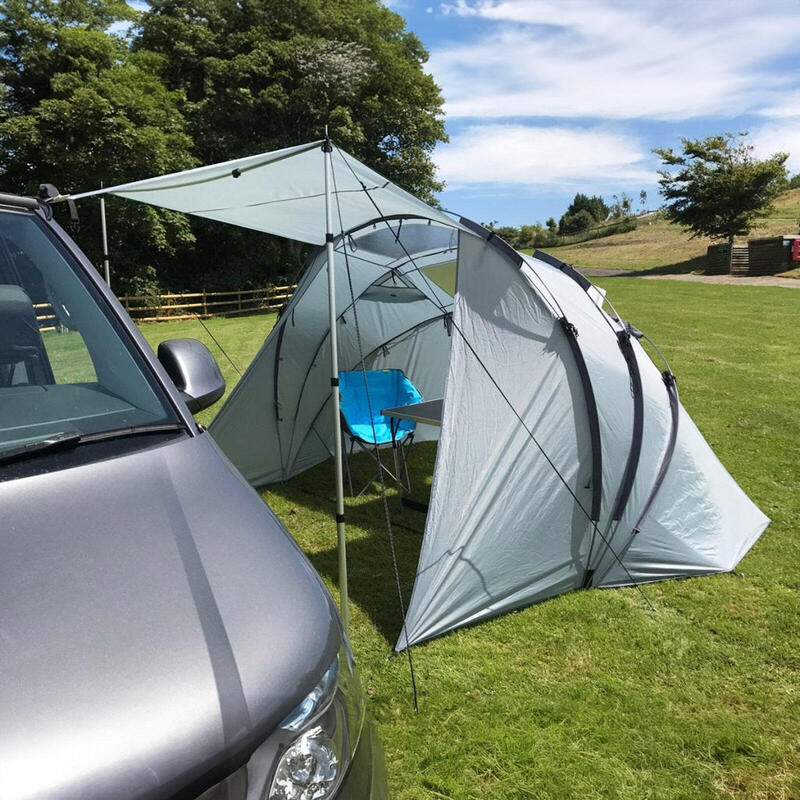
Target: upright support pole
(337, 428)
(106, 267)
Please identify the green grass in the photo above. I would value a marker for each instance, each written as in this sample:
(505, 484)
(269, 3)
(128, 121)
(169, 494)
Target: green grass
(592, 695)
(240, 337)
(69, 358)
(662, 247)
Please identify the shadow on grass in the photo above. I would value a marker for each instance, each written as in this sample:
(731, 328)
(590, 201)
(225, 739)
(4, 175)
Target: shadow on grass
(371, 577)
(696, 264)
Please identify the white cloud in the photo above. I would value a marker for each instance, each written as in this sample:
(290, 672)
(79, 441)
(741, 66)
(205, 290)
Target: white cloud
(616, 59)
(780, 136)
(530, 156)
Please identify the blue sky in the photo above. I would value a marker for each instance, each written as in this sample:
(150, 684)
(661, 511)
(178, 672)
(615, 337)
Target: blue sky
(545, 98)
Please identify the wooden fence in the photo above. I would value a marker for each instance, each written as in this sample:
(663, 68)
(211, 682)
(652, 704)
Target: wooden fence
(167, 307)
(164, 307)
(45, 316)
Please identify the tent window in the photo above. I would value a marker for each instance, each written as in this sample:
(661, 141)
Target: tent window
(392, 294)
(443, 275)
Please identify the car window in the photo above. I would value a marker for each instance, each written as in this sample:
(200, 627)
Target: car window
(66, 364)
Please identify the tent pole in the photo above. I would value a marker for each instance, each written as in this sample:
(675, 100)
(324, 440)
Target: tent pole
(104, 232)
(337, 429)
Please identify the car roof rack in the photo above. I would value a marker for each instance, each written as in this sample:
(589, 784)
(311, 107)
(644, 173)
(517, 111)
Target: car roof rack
(18, 201)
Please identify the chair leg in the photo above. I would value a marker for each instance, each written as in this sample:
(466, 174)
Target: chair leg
(397, 456)
(409, 442)
(346, 458)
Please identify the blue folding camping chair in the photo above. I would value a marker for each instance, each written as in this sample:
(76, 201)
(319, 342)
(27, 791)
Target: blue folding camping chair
(361, 402)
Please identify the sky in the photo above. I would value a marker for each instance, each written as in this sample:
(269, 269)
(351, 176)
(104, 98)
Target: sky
(546, 98)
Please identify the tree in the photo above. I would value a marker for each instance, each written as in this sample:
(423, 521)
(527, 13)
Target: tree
(265, 74)
(719, 188)
(621, 206)
(583, 212)
(578, 222)
(77, 109)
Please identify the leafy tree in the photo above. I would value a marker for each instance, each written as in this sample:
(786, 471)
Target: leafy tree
(719, 188)
(511, 234)
(583, 212)
(577, 222)
(77, 109)
(527, 234)
(621, 206)
(265, 74)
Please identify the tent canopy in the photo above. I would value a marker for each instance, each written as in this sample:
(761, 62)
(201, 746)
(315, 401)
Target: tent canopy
(565, 459)
(282, 192)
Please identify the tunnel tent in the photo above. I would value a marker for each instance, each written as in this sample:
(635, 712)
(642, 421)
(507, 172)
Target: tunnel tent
(565, 459)
(526, 502)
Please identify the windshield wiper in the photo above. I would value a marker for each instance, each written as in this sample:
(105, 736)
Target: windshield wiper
(54, 442)
(66, 441)
(133, 430)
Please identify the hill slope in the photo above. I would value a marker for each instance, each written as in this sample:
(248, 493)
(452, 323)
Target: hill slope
(660, 246)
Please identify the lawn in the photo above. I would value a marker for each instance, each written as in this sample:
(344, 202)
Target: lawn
(592, 694)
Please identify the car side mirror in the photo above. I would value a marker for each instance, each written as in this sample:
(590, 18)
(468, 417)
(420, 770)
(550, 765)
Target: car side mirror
(194, 372)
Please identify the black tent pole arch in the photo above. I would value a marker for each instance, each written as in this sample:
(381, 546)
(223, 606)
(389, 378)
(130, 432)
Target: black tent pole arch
(518, 260)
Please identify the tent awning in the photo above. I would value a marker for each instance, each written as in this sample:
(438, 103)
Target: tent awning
(282, 192)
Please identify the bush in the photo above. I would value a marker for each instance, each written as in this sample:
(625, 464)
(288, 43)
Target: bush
(576, 223)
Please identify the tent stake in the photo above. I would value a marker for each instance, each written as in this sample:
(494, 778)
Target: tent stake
(106, 267)
(337, 429)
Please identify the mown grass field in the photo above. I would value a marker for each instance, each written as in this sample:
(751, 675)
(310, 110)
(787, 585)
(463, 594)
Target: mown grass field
(593, 695)
(662, 247)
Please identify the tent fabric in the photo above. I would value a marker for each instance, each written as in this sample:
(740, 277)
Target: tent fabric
(363, 393)
(277, 420)
(516, 345)
(700, 521)
(509, 521)
(282, 192)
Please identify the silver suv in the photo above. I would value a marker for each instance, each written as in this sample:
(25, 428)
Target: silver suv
(161, 635)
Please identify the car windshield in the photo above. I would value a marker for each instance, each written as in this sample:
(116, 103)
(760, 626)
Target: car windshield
(66, 366)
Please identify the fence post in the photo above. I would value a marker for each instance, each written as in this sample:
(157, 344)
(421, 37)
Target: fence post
(239, 297)
(205, 306)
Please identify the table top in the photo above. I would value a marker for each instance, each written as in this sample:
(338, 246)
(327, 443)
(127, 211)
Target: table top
(428, 412)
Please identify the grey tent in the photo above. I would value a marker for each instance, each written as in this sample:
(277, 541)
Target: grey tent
(565, 459)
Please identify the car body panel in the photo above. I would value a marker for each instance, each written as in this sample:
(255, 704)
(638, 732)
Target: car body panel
(156, 621)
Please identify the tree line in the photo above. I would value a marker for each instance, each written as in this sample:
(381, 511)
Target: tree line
(589, 217)
(715, 188)
(93, 91)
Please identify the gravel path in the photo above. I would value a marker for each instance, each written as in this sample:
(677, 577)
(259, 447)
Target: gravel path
(761, 280)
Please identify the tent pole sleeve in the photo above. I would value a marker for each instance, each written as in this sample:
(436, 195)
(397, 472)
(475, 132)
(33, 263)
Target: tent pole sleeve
(337, 428)
(591, 412)
(624, 339)
(104, 234)
(672, 392)
(632, 463)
